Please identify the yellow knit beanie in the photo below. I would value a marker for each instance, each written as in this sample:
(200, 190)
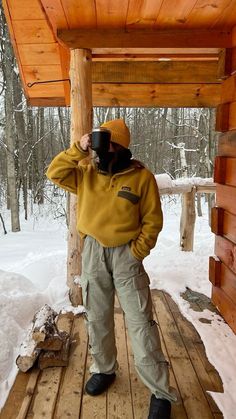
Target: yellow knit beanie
(119, 132)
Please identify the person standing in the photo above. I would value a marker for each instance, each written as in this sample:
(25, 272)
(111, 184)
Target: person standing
(119, 218)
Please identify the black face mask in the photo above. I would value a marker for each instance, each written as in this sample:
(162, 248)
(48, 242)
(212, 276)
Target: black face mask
(113, 162)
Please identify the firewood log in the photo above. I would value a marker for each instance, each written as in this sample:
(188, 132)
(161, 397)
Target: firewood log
(42, 326)
(56, 358)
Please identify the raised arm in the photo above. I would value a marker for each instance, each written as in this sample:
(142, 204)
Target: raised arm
(64, 170)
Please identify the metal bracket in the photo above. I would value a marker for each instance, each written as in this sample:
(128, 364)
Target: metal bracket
(46, 81)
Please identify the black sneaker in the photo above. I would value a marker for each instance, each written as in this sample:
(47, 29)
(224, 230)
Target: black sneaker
(159, 408)
(99, 383)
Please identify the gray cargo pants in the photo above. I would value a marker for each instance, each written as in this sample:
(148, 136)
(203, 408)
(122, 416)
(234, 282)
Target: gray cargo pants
(104, 271)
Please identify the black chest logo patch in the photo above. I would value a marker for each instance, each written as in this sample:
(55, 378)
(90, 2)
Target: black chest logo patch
(129, 195)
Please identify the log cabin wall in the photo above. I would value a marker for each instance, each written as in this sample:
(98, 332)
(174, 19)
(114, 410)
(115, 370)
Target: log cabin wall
(222, 268)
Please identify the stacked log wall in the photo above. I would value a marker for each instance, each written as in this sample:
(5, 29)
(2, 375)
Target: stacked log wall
(222, 268)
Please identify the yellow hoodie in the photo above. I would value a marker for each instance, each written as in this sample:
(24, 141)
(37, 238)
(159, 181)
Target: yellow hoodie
(114, 209)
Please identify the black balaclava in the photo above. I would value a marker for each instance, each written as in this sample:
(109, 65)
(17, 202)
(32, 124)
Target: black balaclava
(114, 161)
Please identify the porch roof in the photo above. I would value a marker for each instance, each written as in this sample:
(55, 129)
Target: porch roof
(145, 53)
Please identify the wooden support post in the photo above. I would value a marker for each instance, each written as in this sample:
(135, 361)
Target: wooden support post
(187, 221)
(81, 123)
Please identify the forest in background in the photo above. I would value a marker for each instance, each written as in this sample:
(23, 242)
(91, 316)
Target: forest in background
(180, 142)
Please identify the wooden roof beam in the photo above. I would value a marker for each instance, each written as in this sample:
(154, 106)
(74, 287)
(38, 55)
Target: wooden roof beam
(133, 72)
(145, 95)
(114, 38)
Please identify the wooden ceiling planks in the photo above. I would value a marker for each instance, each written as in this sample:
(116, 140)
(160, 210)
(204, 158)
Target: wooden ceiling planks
(206, 14)
(112, 13)
(80, 13)
(25, 9)
(174, 13)
(55, 14)
(142, 13)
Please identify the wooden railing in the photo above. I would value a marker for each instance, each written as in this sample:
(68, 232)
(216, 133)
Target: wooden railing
(188, 188)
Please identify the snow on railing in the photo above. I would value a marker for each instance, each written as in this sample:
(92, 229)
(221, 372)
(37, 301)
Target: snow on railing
(188, 187)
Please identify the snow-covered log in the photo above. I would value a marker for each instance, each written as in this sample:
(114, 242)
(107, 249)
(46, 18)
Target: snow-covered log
(168, 186)
(43, 323)
(43, 326)
(57, 358)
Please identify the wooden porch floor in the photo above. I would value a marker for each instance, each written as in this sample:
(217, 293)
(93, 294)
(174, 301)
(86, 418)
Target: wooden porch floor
(58, 392)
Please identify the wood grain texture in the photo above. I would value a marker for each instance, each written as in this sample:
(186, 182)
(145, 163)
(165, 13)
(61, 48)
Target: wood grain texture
(229, 90)
(227, 144)
(215, 271)
(192, 95)
(79, 38)
(191, 391)
(227, 169)
(222, 117)
(80, 14)
(225, 305)
(225, 250)
(226, 198)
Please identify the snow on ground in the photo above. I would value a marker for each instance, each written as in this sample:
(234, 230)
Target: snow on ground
(33, 272)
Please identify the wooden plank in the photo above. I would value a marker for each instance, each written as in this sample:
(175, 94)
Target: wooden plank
(163, 95)
(129, 72)
(217, 219)
(222, 117)
(192, 394)
(229, 226)
(71, 389)
(233, 63)
(36, 73)
(32, 31)
(190, 336)
(215, 271)
(30, 389)
(55, 13)
(44, 402)
(172, 52)
(154, 72)
(170, 16)
(142, 13)
(80, 14)
(229, 90)
(226, 198)
(206, 15)
(133, 95)
(226, 252)
(220, 169)
(225, 305)
(228, 282)
(47, 101)
(47, 90)
(225, 170)
(92, 38)
(198, 344)
(25, 9)
(129, 56)
(227, 144)
(111, 14)
(225, 63)
(35, 54)
(232, 116)
(119, 403)
(13, 403)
